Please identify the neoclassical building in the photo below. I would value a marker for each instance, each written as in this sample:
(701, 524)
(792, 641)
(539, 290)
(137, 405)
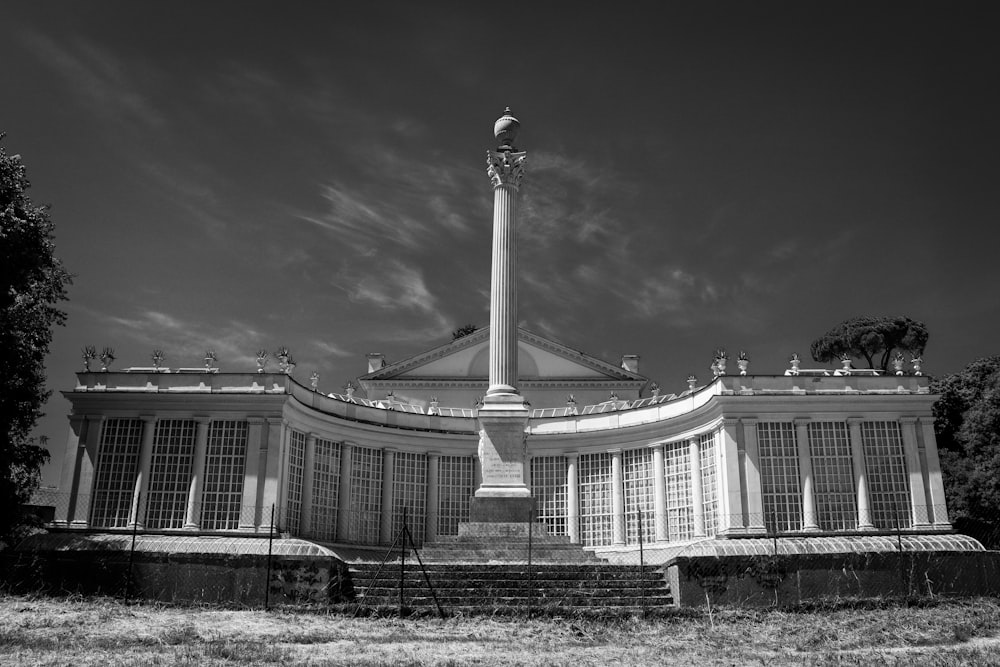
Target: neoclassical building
(514, 419)
(805, 452)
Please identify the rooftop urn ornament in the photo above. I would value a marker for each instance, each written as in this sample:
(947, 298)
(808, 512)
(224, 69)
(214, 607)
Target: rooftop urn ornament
(692, 381)
(261, 360)
(916, 361)
(210, 359)
(289, 365)
(743, 362)
(314, 380)
(794, 361)
(282, 354)
(720, 361)
(897, 363)
(654, 389)
(349, 390)
(107, 356)
(157, 357)
(845, 360)
(433, 409)
(89, 354)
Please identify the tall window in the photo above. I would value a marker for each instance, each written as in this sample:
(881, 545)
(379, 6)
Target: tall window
(454, 492)
(833, 476)
(366, 494)
(548, 486)
(225, 459)
(888, 482)
(677, 474)
(326, 490)
(170, 473)
(409, 478)
(293, 499)
(596, 527)
(637, 478)
(779, 476)
(709, 482)
(114, 480)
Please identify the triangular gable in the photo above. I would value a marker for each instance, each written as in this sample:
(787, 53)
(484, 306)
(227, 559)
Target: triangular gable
(468, 358)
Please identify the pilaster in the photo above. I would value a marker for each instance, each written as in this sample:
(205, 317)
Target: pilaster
(250, 509)
(572, 498)
(697, 490)
(918, 498)
(344, 493)
(617, 499)
(139, 496)
(659, 495)
(935, 485)
(275, 427)
(308, 466)
(69, 480)
(730, 494)
(87, 454)
(860, 474)
(193, 521)
(754, 490)
(809, 518)
(388, 470)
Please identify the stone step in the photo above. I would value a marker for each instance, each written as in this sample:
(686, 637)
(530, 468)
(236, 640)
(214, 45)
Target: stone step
(651, 601)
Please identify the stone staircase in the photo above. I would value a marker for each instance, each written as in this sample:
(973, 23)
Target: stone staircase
(477, 588)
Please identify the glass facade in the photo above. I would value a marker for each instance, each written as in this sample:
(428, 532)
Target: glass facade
(454, 492)
(833, 476)
(781, 488)
(548, 486)
(170, 473)
(325, 490)
(888, 481)
(594, 483)
(225, 460)
(114, 477)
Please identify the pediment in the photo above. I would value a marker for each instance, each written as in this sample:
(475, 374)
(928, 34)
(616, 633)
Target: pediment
(467, 358)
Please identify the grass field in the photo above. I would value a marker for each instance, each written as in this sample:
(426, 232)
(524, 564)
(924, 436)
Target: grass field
(61, 631)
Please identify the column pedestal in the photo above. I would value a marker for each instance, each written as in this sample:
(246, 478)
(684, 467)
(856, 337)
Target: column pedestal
(503, 496)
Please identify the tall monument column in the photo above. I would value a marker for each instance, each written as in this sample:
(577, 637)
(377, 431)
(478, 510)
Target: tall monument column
(503, 496)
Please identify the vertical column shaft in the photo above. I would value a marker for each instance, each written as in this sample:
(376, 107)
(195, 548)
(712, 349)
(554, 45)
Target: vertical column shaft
(272, 472)
(617, 499)
(86, 459)
(860, 475)
(249, 517)
(918, 499)
(809, 518)
(730, 487)
(935, 485)
(503, 292)
(572, 498)
(755, 497)
(69, 479)
(197, 475)
(137, 515)
(659, 495)
(308, 464)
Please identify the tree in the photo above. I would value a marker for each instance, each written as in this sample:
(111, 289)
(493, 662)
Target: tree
(463, 331)
(967, 428)
(871, 337)
(32, 282)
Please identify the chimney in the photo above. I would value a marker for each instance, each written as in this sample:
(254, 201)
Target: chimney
(630, 362)
(376, 361)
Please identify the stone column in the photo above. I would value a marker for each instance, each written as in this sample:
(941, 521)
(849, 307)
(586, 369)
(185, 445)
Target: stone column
(659, 495)
(388, 469)
(197, 475)
(344, 494)
(572, 498)
(755, 492)
(918, 499)
(139, 495)
(308, 464)
(272, 472)
(617, 499)
(697, 492)
(860, 475)
(250, 510)
(730, 491)
(809, 518)
(935, 486)
(69, 480)
(86, 459)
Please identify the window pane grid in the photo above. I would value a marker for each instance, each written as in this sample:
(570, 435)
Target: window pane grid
(366, 494)
(548, 486)
(833, 476)
(677, 474)
(293, 499)
(326, 490)
(637, 478)
(454, 492)
(170, 473)
(888, 481)
(225, 458)
(409, 474)
(117, 464)
(779, 476)
(709, 482)
(595, 499)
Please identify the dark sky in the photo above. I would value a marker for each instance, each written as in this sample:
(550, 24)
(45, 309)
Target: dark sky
(243, 175)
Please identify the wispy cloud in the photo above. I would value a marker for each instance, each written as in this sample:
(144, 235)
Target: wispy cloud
(107, 84)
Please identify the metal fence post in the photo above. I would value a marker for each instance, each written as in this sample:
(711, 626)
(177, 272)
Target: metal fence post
(642, 568)
(402, 563)
(531, 516)
(267, 578)
(131, 553)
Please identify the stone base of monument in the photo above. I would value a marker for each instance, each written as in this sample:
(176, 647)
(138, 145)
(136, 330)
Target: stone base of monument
(499, 542)
(492, 509)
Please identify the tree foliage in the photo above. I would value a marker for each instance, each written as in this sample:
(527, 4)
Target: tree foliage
(871, 338)
(463, 331)
(32, 282)
(967, 427)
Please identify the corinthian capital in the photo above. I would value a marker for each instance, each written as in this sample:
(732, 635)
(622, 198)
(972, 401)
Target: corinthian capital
(505, 167)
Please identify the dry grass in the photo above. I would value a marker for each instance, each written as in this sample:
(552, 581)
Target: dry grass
(49, 631)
